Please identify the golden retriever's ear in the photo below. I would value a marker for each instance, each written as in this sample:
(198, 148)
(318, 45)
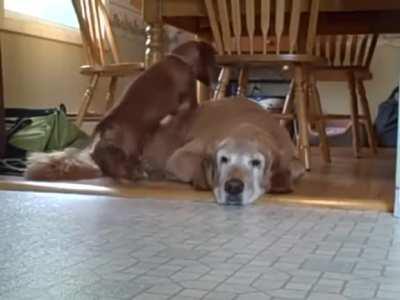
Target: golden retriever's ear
(297, 169)
(207, 179)
(191, 164)
(279, 176)
(281, 181)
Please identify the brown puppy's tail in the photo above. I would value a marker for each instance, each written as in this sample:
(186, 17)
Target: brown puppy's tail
(70, 164)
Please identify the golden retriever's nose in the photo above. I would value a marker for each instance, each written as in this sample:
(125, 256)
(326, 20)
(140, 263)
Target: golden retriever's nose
(234, 186)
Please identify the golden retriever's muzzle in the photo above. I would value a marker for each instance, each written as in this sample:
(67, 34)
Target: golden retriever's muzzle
(234, 189)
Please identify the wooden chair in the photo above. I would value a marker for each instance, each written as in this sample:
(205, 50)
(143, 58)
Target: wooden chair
(276, 33)
(102, 54)
(349, 58)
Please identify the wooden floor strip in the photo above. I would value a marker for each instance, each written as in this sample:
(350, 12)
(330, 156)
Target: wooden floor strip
(348, 183)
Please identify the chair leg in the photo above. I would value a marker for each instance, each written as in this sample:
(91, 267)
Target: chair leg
(367, 114)
(301, 99)
(87, 99)
(354, 114)
(243, 80)
(223, 81)
(321, 126)
(111, 93)
(288, 104)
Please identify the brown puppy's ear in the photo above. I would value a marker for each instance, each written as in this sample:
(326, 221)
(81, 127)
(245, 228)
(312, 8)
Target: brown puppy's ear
(200, 56)
(208, 71)
(190, 164)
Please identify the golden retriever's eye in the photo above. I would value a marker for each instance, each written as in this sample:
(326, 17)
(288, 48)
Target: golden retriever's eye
(255, 163)
(224, 159)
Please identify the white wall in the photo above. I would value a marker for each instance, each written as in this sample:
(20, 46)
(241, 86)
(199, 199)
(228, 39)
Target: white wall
(385, 68)
(40, 72)
(43, 73)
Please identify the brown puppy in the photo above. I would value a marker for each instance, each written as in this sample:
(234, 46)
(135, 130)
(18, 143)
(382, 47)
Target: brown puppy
(164, 89)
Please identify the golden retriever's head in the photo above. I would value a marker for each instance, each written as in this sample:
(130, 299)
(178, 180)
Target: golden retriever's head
(238, 169)
(242, 171)
(246, 165)
(239, 172)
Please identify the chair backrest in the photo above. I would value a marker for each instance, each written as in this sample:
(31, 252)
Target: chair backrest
(276, 23)
(97, 35)
(346, 50)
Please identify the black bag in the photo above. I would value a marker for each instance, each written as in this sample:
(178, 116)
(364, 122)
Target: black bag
(386, 120)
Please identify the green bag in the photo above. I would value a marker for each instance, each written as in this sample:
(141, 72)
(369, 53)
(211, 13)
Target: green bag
(48, 133)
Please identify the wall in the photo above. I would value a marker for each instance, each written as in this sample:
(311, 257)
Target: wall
(39, 72)
(385, 68)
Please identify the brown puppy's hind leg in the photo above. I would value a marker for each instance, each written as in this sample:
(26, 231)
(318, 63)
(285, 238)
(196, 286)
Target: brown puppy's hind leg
(112, 160)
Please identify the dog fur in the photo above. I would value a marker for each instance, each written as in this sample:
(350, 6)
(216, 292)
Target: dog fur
(70, 164)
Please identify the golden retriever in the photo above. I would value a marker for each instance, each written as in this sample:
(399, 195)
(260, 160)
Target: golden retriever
(232, 146)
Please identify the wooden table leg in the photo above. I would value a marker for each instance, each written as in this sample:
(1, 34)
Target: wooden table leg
(223, 81)
(243, 81)
(151, 11)
(204, 93)
(154, 44)
(301, 103)
(354, 114)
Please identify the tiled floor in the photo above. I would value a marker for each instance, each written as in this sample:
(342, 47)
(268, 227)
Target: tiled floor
(55, 246)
